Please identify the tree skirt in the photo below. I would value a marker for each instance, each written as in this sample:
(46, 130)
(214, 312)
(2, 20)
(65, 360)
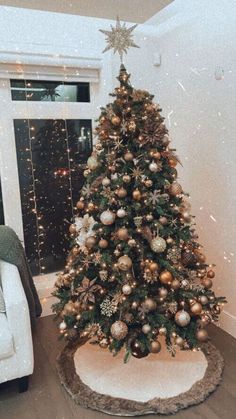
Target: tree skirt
(158, 383)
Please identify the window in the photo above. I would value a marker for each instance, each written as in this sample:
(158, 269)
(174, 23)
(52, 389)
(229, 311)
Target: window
(50, 156)
(49, 91)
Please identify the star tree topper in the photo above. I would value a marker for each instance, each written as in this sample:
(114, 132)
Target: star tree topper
(119, 38)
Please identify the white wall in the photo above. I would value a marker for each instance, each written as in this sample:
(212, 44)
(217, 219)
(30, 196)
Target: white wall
(193, 37)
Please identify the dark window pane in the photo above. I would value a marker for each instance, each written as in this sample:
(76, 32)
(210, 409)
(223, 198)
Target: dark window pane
(1, 206)
(50, 91)
(50, 155)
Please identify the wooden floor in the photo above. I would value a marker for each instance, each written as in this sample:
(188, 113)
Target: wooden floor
(47, 399)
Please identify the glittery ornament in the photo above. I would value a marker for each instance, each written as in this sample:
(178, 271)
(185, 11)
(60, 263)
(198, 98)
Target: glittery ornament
(119, 330)
(106, 181)
(92, 163)
(175, 189)
(124, 263)
(107, 217)
(126, 289)
(158, 244)
(122, 233)
(119, 38)
(182, 318)
(149, 304)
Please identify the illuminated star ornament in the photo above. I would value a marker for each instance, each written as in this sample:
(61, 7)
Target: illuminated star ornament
(119, 38)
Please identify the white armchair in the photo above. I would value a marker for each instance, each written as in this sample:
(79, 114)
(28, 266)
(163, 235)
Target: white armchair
(16, 348)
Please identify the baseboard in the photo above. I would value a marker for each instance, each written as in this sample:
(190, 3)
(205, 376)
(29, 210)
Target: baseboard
(227, 323)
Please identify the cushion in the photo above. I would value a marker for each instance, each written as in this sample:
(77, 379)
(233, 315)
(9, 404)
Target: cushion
(2, 302)
(6, 338)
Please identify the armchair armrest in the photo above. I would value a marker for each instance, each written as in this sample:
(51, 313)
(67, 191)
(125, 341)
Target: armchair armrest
(17, 313)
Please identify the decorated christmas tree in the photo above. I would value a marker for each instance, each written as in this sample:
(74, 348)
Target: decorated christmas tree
(135, 270)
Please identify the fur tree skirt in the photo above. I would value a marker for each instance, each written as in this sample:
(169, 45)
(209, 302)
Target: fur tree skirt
(158, 383)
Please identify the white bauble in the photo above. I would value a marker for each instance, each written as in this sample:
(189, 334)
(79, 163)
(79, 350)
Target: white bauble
(62, 325)
(153, 167)
(126, 289)
(107, 217)
(121, 213)
(158, 244)
(182, 318)
(146, 329)
(106, 181)
(92, 163)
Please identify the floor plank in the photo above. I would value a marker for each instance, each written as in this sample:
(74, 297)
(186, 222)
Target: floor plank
(47, 399)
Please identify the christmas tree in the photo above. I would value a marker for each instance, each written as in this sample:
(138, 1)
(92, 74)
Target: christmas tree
(135, 270)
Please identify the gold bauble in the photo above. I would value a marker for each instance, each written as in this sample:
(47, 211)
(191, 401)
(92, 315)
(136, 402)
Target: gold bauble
(128, 156)
(163, 220)
(207, 283)
(179, 341)
(90, 242)
(162, 331)
(119, 330)
(153, 266)
(121, 192)
(202, 335)
(122, 233)
(116, 120)
(72, 229)
(211, 274)
(134, 304)
(80, 205)
(90, 206)
(106, 181)
(149, 304)
(148, 183)
(107, 217)
(103, 343)
(201, 258)
(175, 189)
(158, 244)
(103, 243)
(155, 347)
(124, 263)
(163, 292)
(173, 162)
(166, 277)
(182, 318)
(169, 240)
(196, 308)
(126, 178)
(175, 284)
(137, 195)
(132, 126)
(157, 155)
(126, 289)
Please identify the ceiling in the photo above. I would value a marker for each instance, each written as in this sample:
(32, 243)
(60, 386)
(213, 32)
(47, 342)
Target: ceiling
(128, 10)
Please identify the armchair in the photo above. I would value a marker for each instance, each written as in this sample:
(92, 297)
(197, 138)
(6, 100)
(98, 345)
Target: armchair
(16, 348)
